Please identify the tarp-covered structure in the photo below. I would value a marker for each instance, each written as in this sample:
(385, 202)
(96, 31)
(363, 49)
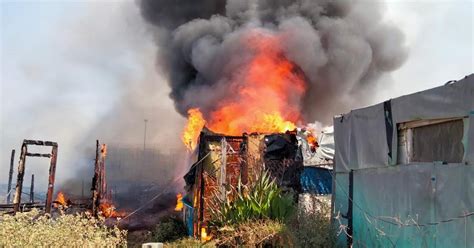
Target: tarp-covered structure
(404, 170)
(224, 160)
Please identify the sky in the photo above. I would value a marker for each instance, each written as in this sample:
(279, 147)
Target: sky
(74, 71)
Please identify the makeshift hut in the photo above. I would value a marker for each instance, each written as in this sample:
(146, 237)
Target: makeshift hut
(224, 160)
(404, 170)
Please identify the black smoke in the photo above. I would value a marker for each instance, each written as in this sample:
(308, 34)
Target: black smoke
(343, 48)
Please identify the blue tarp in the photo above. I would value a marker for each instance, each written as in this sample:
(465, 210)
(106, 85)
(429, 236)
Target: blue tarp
(316, 180)
(189, 214)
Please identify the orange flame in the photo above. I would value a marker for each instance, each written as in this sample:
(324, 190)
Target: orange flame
(267, 94)
(266, 97)
(193, 128)
(61, 200)
(204, 236)
(108, 210)
(312, 142)
(179, 202)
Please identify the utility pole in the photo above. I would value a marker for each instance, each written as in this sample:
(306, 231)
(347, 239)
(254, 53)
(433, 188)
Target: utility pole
(144, 136)
(12, 160)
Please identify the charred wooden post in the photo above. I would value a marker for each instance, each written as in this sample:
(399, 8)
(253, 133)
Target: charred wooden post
(32, 189)
(10, 177)
(19, 179)
(21, 171)
(223, 168)
(52, 174)
(103, 181)
(95, 182)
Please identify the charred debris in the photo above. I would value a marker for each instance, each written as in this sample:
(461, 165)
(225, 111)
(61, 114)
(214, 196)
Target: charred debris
(100, 202)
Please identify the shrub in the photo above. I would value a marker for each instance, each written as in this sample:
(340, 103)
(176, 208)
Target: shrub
(169, 229)
(30, 229)
(263, 199)
(312, 228)
(260, 233)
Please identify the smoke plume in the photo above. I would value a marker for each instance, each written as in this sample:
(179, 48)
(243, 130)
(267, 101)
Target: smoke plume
(341, 47)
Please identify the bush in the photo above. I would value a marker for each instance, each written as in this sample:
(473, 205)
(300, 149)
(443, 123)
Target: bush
(169, 229)
(30, 229)
(263, 199)
(312, 228)
(261, 233)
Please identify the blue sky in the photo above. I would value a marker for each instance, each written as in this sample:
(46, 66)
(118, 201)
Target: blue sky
(66, 64)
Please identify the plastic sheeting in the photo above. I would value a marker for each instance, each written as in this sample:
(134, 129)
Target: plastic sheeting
(316, 180)
(326, 144)
(360, 139)
(324, 154)
(406, 205)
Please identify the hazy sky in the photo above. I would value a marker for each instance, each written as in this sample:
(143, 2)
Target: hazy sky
(67, 65)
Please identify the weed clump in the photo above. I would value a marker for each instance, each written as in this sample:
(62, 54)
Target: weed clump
(169, 229)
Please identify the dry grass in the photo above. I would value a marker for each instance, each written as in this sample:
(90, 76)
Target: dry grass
(34, 230)
(312, 228)
(252, 234)
(189, 242)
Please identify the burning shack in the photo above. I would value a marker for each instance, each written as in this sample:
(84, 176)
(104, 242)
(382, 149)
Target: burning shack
(224, 160)
(296, 160)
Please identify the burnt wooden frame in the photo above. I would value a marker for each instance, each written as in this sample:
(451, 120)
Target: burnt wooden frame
(21, 171)
(204, 140)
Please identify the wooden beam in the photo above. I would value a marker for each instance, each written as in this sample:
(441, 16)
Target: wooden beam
(10, 177)
(19, 180)
(95, 182)
(38, 155)
(52, 175)
(32, 188)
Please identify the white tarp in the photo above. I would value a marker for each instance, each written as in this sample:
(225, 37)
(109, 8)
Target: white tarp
(324, 154)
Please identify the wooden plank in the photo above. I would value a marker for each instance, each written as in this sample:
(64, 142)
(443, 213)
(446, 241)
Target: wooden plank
(10, 176)
(52, 175)
(19, 180)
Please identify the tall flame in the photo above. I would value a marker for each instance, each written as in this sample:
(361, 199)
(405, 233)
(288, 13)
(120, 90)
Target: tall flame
(179, 202)
(193, 128)
(60, 200)
(264, 95)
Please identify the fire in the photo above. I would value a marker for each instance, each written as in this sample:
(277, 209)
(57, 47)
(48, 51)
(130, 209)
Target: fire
(312, 142)
(266, 94)
(60, 200)
(193, 128)
(108, 210)
(179, 202)
(204, 236)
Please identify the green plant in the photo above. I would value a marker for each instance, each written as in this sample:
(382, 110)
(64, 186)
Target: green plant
(169, 229)
(32, 229)
(263, 199)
